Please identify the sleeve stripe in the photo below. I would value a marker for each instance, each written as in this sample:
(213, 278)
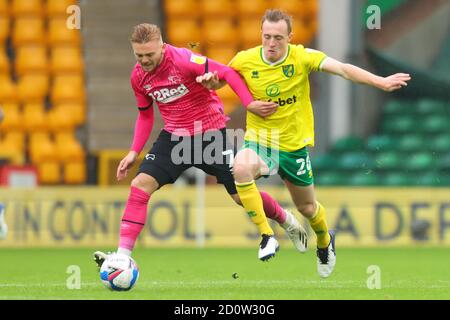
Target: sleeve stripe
(321, 63)
(206, 66)
(144, 108)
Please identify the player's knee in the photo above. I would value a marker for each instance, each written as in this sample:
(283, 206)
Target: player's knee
(242, 172)
(307, 209)
(145, 183)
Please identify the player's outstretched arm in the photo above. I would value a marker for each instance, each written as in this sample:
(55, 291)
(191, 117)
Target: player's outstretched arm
(359, 75)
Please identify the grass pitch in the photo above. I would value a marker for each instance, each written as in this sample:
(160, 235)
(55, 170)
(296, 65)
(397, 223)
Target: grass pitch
(185, 274)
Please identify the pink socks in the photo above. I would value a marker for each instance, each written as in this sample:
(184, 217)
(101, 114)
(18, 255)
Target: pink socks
(272, 209)
(134, 218)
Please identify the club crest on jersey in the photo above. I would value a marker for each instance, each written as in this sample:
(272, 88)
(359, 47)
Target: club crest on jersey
(167, 95)
(198, 59)
(288, 70)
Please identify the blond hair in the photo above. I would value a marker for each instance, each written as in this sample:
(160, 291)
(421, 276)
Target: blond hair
(145, 32)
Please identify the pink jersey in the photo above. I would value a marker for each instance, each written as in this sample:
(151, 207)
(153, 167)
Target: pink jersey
(180, 99)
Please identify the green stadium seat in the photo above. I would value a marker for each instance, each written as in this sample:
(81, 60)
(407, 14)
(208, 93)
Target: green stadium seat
(434, 124)
(411, 142)
(383, 142)
(330, 179)
(440, 143)
(396, 179)
(364, 179)
(389, 160)
(399, 124)
(429, 179)
(419, 161)
(444, 163)
(429, 106)
(399, 107)
(356, 161)
(346, 144)
(324, 162)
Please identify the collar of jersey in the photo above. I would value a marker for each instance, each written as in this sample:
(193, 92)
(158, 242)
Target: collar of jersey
(272, 64)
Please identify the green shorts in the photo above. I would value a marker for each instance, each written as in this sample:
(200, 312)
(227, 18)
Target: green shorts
(293, 166)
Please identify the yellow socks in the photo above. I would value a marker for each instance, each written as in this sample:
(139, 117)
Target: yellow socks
(318, 223)
(253, 204)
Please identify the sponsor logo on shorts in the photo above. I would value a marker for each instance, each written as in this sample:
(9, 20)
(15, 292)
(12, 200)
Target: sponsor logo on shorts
(149, 156)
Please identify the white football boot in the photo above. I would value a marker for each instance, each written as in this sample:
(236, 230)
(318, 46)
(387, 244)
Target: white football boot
(295, 232)
(100, 257)
(326, 257)
(3, 225)
(268, 247)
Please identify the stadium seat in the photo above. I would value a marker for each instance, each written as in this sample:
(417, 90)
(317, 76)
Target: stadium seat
(49, 172)
(399, 107)
(60, 35)
(58, 8)
(325, 162)
(181, 32)
(312, 8)
(429, 106)
(251, 8)
(219, 31)
(389, 160)
(8, 90)
(31, 59)
(67, 89)
(429, 179)
(227, 94)
(222, 54)
(396, 179)
(28, 31)
(419, 161)
(348, 144)
(399, 124)
(69, 149)
(35, 118)
(12, 151)
(327, 178)
(4, 28)
(60, 120)
(303, 33)
(74, 172)
(15, 138)
(295, 8)
(76, 110)
(411, 143)
(12, 117)
(364, 179)
(434, 124)
(377, 143)
(4, 8)
(218, 8)
(5, 65)
(175, 9)
(42, 148)
(40, 84)
(66, 60)
(356, 161)
(443, 162)
(440, 143)
(32, 8)
(250, 32)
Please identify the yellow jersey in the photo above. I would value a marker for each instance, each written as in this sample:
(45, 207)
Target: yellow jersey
(291, 127)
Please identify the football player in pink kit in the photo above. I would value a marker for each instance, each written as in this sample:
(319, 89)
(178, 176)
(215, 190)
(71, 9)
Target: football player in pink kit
(166, 75)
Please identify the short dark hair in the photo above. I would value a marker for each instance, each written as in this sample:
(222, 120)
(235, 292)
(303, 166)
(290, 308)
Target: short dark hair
(275, 15)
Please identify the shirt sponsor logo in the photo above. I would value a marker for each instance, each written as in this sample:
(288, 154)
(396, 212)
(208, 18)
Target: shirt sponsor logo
(273, 90)
(198, 59)
(167, 95)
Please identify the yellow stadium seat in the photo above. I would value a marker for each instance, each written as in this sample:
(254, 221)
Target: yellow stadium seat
(77, 111)
(181, 32)
(33, 87)
(295, 8)
(27, 8)
(74, 172)
(227, 94)
(12, 153)
(219, 31)
(222, 54)
(218, 8)
(28, 31)
(60, 120)
(303, 34)
(4, 28)
(5, 65)
(4, 7)
(66, 60)
(12, 117)
(229, 106)
(31, 59)
(69, 149)
(15, 138)
(312, 8)
(8, 90)
(251, 8)
(58, 8)
(35, 117)
(49, 172)
(181, 9)
(68, 88)
(42, 148)
(250, 32)
(59, 34)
